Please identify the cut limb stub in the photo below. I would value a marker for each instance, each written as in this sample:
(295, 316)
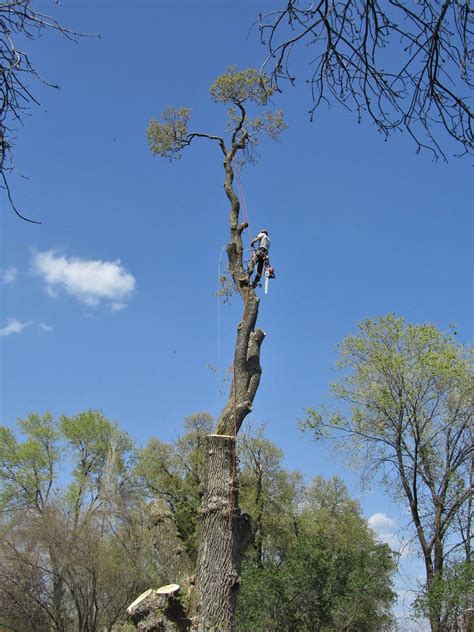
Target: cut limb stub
(159, 610)
(169, 589)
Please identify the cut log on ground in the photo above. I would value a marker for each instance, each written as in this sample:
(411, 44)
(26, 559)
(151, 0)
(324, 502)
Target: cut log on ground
(159, 611)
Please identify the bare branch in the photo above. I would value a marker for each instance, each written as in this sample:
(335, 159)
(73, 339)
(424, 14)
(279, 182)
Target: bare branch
(406, 66)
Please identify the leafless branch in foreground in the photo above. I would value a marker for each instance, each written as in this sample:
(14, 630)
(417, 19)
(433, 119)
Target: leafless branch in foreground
(407, 65)
(19, 22)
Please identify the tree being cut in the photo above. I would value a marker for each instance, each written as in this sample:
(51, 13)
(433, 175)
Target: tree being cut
(225, 531)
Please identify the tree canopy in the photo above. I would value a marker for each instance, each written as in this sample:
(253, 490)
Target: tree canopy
(88, 528)
(407, 391)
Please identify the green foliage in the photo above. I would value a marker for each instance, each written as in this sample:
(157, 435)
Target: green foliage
(75, 547)
(332, 576)
(95, 439)
(396, 376)
(239, 90)
(168, 138)
(239, 86)
(174, 472)
(269, 493)
(450, 597)
(98, 449)
(28, 469)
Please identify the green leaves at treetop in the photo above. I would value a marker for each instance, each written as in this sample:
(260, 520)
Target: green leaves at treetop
(239, 90)
(239, 86)
(28, 468)
(392, 369)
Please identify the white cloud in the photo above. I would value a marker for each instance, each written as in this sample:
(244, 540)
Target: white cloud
(117, 307)
(45, 327)
(89, 281)
(380, 522)
(386, 531)
(13, 326)
(9, 275)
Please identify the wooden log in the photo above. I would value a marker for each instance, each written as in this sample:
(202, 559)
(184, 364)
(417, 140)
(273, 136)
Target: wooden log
(159, 611)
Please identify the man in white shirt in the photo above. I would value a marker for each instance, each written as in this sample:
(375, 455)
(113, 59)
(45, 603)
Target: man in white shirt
(260, 256)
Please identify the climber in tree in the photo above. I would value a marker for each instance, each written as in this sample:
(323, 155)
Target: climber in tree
(259, 256)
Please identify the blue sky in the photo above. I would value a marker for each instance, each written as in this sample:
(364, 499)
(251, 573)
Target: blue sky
(360, 227)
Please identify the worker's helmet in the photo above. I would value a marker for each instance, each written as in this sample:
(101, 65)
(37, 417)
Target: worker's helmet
(264, 230)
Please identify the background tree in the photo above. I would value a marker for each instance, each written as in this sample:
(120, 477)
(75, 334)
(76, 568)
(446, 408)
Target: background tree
(329, 574)
(408, 390)
(270, 494)
(173, 472)
(19, 22)
(225, 532)
(451, 595)
(73, 549)
(405, 66)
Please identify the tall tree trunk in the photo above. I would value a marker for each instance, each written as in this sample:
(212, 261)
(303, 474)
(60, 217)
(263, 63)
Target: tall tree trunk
(225, 532)
(225, 535)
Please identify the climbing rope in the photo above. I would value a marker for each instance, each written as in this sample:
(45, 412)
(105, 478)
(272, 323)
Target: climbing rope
(243, 202)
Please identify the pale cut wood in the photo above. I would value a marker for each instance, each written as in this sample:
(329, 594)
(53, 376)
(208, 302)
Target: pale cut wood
(169, 589)
(139, 599)
(159, 610)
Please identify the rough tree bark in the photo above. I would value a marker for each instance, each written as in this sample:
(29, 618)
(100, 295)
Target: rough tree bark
(225, 535)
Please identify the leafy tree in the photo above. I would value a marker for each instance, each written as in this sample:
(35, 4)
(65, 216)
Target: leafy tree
(451, 597)
(332, 575)
(174, 472)
(29, 468)
(225, 531)
(270, 494)
(74, 547)
(408, 391)
(406, 66)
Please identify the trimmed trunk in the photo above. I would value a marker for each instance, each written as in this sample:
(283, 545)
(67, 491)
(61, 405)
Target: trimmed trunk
(225, 532)
(225, 535)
